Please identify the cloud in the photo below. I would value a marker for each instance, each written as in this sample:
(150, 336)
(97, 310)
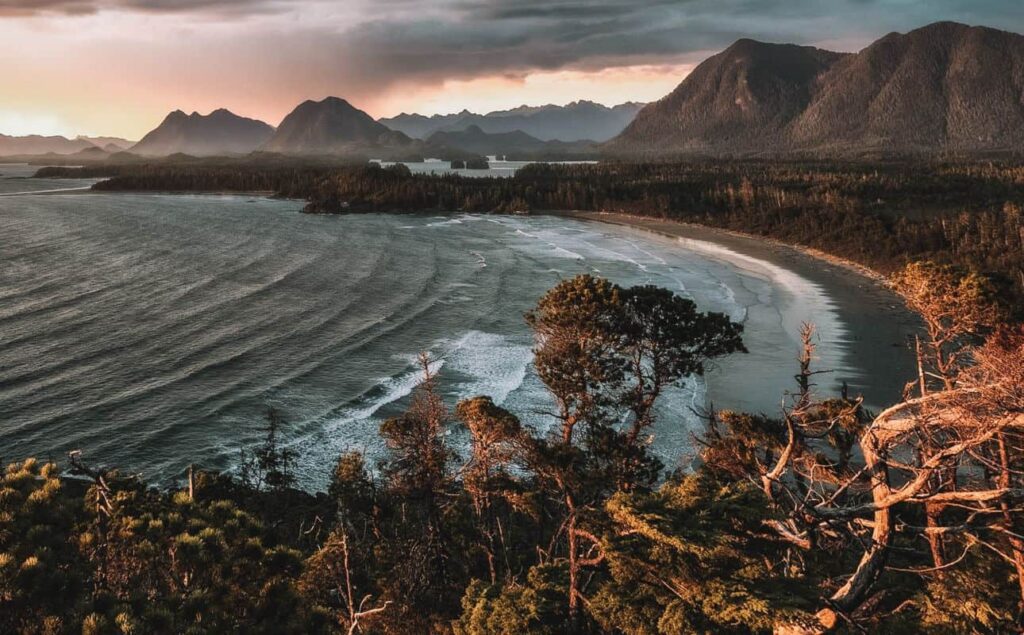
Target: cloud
(264, 56)
(461, 38)
(25, 8)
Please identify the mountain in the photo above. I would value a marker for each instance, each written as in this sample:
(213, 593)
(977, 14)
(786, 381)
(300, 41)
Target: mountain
(741, 99)
(36, 144)
(220, 132)
(946, 87)
(332, 126)
(578, 121)
(105, 142)
(420, 126)
(514, 145)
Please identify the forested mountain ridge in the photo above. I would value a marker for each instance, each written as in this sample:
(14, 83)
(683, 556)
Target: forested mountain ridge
(943, 88)
(218, 133)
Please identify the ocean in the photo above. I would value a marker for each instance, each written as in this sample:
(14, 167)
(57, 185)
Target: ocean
(154, 331)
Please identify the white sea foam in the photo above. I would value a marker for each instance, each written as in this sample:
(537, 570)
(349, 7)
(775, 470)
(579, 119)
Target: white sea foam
(63, 190)
(389, 389)
(807, 301)
(496, 364)
(558, 249)
(450, 221)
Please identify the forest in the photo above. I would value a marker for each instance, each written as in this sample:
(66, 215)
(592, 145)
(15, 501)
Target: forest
(880, 215)
(819, 518)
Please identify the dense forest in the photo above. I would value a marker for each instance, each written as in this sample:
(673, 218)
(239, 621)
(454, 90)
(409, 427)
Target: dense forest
(879, 215)
(821, 517)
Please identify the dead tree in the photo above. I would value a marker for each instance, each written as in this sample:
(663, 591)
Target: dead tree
(961, 433)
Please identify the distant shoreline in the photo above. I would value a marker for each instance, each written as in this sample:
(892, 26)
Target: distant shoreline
(683, 229)
(878, 323)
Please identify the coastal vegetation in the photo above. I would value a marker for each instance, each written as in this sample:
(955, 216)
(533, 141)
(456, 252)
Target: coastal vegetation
(821, 517)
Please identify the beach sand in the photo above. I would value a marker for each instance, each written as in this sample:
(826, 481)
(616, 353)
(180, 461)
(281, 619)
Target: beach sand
(876, 325)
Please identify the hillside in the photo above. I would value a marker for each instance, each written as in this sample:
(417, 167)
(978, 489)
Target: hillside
(943, 88)
(578, 121)
(220, 132)
(331, 126)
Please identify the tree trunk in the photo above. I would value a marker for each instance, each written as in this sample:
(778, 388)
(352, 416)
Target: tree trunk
(850, 596)
(574, 567)
(1015, 543)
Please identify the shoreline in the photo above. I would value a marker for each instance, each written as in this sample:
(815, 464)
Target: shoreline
(876, 321)
(702, 232)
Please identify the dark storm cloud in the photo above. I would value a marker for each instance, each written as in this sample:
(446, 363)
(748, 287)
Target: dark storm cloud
(466, 38)
(15, 8)
(382, 42)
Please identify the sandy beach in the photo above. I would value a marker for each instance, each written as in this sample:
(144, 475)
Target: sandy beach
(876, 324)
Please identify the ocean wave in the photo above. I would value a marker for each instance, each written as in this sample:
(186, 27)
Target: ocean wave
(558, 249)
(496, 364)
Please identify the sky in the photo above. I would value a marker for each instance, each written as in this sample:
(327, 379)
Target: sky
(117, 67)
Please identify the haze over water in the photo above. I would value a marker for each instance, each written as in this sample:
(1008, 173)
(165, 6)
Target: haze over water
(153, 331)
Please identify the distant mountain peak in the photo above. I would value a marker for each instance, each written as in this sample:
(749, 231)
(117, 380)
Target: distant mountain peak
(577, 121)
(330, 126)
(39, 144)
(220, 132)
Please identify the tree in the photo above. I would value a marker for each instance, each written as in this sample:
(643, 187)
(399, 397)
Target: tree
(941, 449)
(496, 438)
(333, 582)
(41, 572)
(695, 557)
(270, 465)
(169, 562)
(420, 460)
(574, 325)
(665, 339)
(352, 489)
(958, 307)
(419, 569)
(606, 355)
(536, 606)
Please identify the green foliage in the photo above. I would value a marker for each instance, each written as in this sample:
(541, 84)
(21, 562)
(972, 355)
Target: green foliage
(972, 598)
(351, 488)
(607, 354)
(533, 532)
(173, 564)
(41, 574)
(694, 557)
(538, 606)
(270, 465)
